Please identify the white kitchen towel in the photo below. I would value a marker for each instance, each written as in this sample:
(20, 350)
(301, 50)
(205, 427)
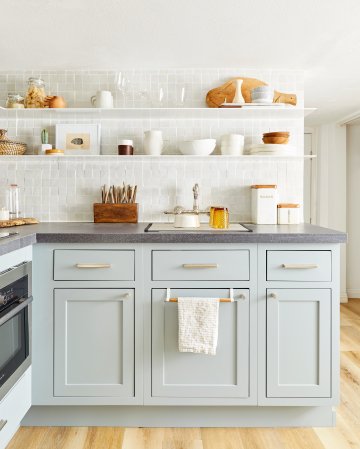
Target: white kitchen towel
(198, 325)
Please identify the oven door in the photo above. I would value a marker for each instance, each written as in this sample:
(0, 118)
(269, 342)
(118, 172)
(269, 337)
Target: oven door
(14, 343)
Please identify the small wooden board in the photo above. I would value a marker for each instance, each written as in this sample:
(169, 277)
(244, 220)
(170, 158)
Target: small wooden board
(17, 222)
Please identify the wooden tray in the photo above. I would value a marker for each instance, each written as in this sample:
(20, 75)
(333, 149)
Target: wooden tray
(116, 213)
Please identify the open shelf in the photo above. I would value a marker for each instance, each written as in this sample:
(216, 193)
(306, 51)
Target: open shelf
(163, 157)
(256, 112)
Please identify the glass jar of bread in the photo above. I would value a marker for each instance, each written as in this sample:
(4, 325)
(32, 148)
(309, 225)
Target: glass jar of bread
(35, 95)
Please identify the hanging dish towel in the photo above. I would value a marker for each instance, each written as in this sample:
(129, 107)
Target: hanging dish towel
(198, 325)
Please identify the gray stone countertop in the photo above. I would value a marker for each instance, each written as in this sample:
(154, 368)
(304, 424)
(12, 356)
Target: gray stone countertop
(134, 233)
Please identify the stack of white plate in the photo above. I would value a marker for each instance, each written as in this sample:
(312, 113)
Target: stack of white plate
(262, 149)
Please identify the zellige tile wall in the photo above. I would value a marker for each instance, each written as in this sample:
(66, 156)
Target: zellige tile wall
(64, 190)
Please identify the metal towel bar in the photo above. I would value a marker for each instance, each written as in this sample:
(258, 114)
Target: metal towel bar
(230, 299)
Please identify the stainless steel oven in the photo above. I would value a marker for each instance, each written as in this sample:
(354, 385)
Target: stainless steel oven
(15, 324)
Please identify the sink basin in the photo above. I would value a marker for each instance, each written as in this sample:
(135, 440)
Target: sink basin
(204, 227)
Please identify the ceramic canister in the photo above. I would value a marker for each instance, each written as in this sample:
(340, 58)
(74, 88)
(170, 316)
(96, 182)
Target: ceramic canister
(153, 142)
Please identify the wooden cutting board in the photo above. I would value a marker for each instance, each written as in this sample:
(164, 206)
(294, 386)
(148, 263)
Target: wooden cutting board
(216, 97)
(17, 222)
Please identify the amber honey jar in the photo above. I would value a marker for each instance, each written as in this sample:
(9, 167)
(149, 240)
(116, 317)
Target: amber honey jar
(219, 217)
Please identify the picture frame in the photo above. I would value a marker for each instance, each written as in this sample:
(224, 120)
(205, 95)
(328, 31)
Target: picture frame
(78, 139)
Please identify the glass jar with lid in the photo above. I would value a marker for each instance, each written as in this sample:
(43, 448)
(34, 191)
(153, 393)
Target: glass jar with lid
(35, 96)
(14, 101)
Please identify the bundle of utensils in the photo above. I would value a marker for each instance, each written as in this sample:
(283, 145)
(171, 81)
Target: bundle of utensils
(125, 194)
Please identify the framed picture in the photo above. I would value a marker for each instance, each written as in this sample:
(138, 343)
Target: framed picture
(78, 139)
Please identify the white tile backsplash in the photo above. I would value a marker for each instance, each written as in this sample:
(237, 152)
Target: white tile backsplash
(64, 189)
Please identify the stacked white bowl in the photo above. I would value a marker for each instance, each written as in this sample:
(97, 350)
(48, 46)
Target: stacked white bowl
(262, 94)
(232, 144)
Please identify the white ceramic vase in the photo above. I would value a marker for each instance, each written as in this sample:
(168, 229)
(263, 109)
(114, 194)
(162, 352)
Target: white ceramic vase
(238, 95)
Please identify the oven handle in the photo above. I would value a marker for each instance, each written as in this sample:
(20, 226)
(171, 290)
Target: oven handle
(17, 309)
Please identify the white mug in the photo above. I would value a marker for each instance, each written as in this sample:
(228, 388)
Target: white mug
(103, 99)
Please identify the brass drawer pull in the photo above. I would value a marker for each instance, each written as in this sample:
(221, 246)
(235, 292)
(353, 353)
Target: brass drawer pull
(3, 423)
(299, 266)
(93, 265)
(200, 265)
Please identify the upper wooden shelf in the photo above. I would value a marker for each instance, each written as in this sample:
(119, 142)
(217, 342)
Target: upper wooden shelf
(261, 113)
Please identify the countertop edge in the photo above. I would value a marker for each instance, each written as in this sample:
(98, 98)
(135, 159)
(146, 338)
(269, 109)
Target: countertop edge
(16, 243)
(86, 232)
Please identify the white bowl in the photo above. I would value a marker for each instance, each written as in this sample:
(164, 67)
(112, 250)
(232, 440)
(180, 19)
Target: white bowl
(200, 147)
(187, 221)
(262, 89)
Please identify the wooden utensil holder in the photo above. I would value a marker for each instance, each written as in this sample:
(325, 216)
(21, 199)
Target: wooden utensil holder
(116, 213)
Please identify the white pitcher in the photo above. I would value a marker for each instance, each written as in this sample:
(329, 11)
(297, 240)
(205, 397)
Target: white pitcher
(103, 99)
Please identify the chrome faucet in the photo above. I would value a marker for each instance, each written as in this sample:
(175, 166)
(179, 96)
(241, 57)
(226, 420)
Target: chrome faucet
(196, 191)
(195, 210)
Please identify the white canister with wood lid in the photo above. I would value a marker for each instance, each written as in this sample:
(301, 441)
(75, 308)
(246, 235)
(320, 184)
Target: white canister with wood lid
(288, 213)
(264, 200)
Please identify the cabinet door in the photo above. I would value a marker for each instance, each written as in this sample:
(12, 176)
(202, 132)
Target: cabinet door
(94, 342)
(186, 375)
(298, 343)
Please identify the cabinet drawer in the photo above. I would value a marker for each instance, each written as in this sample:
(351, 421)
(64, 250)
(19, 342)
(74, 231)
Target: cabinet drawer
(204, 265)
(306, 266)
(94, 265)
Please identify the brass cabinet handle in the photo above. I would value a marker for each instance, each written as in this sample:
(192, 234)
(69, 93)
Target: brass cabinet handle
(93, 265)
(272, 295)
(299, 266)
(242, 296)
(3, 423)
(200, 265)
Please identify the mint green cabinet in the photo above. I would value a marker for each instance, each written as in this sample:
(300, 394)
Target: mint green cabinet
(187, 375)
(298, 342)
(94, 342)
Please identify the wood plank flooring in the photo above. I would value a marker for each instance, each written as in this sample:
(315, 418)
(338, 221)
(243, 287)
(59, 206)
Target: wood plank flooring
(346, 435)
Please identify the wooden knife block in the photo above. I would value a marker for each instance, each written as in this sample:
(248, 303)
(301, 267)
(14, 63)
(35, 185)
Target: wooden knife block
(116, 213)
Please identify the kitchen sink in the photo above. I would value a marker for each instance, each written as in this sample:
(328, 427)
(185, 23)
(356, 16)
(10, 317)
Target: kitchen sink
(204, 227)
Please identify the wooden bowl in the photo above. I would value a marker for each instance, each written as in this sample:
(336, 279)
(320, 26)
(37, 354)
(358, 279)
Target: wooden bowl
(277, 134)
(276, 140)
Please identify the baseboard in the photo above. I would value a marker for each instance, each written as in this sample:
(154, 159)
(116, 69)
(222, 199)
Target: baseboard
(344, 296)
(353, 293)
(159, 416)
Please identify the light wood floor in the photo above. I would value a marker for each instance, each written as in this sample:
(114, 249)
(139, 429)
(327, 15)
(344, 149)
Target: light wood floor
(346, 435)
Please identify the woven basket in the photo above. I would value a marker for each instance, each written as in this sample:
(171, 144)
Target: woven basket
(10, 148)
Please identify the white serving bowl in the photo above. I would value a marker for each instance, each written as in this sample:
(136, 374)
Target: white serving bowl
(262, 94)
(262, 89)
(200, 147)
(262, 99)
(187, 221)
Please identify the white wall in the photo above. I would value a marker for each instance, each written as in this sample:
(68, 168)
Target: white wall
(331, 185)
(353, 215)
